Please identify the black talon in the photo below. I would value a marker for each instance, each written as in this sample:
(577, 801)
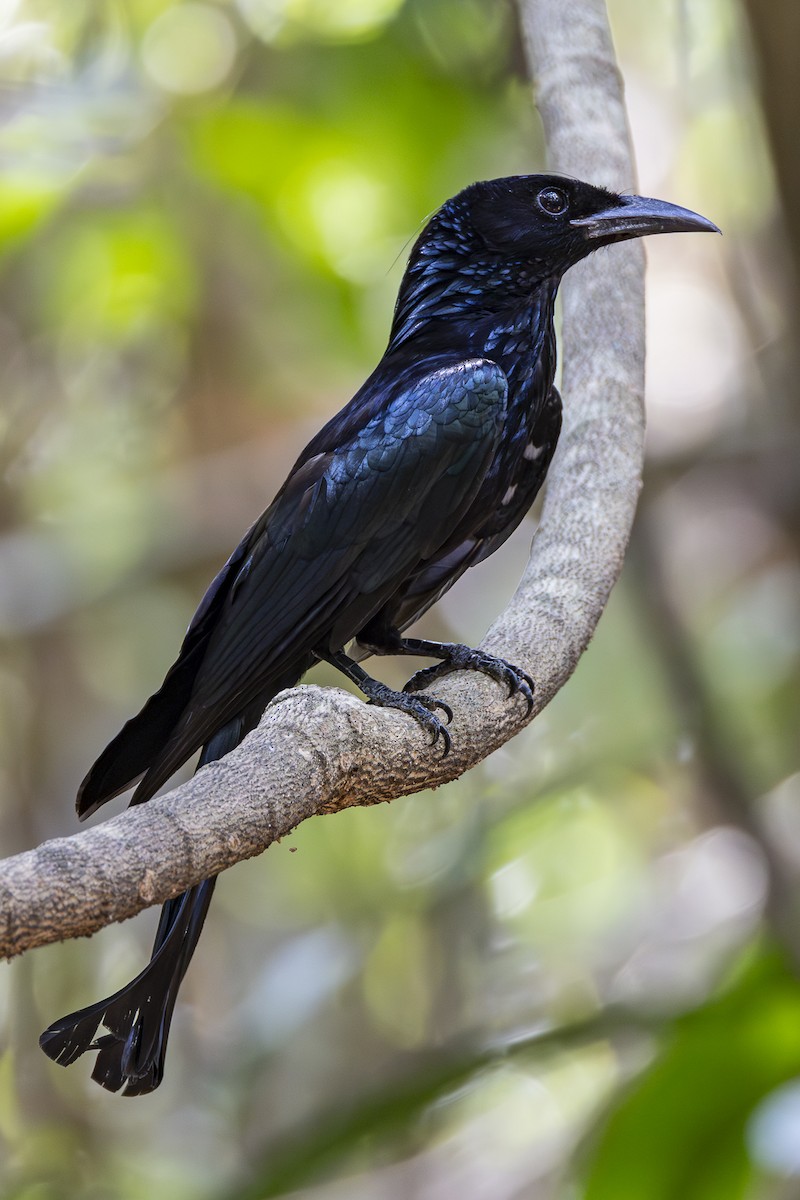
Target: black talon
(520, 682)
(447, 741)
(461, 658)
(421, 708)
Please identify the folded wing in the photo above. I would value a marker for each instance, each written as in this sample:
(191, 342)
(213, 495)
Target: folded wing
(351, 523)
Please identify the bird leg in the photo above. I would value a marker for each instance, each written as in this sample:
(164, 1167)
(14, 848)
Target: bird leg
(421, 708)
(455, 657)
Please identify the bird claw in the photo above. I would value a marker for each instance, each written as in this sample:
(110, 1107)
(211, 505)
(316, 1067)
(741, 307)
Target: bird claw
(426, 676)
(422, 709)
(464, 659)
(446, 709)
(520, 681)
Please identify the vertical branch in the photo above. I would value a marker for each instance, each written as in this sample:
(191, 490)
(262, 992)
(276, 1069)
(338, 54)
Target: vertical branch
(578, 550)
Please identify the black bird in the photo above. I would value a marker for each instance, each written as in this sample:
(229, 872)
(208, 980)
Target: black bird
(425, 472)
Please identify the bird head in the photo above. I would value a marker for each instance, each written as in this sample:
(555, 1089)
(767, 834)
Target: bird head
(489, 247)
(556, 221)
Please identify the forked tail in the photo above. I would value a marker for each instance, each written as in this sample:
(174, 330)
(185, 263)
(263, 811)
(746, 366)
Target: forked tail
(131, 1054)
(137, 1018)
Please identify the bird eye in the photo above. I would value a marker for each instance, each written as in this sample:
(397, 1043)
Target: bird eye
(553, 201)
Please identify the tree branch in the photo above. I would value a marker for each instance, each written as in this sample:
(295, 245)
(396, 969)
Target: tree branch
(321, 750)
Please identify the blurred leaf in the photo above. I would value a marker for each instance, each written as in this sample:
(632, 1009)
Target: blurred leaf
(679, 1132)
(291, 20)
(564, 867)
(118, 276)
(24, 206)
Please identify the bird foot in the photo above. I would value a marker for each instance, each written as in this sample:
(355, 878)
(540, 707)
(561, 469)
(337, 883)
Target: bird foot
(462, 658)
(421, 708)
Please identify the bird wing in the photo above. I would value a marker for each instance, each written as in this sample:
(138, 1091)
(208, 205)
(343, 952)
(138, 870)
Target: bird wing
(486, 524)
(348, 526)
(127, 757)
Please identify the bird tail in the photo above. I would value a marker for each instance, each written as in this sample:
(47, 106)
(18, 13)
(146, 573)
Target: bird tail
(131, 1055)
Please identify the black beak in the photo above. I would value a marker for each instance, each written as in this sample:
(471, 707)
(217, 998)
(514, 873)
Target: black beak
(638, 216)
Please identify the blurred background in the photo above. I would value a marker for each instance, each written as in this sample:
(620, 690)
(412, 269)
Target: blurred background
(572, 973)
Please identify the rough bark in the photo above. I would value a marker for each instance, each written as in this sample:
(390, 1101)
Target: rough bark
(320, 750)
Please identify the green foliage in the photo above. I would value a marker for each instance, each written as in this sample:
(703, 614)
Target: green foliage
(680, 1130)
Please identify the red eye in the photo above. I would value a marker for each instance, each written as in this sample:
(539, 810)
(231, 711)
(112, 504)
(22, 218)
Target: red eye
(553, 201)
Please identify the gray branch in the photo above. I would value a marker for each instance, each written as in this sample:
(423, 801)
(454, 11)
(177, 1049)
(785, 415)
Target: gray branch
(321, 750)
